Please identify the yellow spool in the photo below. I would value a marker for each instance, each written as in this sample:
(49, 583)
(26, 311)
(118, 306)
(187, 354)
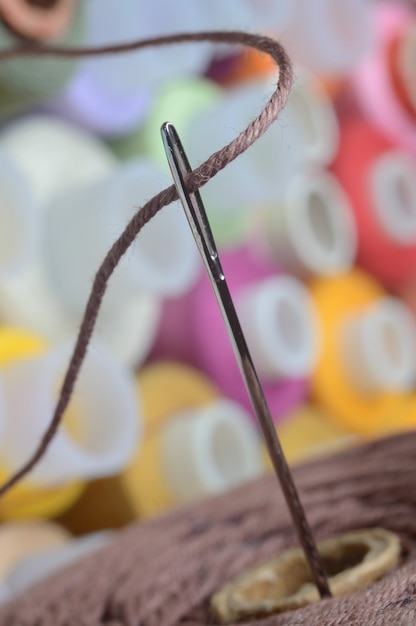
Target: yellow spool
(165, 389)
(337, 299)
(27, 499)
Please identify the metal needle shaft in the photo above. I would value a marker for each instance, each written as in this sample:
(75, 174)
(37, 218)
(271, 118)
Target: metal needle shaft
(198, 221)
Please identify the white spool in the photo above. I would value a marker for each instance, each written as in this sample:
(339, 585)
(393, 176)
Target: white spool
(330, 36)
(163, 260)
(312, 231)
(392, 183)
(54, 155)
(105, 416)
(128, 327)
(210, 450)
(311, 119)
(280, 324)
(379, 348)
(19, 228)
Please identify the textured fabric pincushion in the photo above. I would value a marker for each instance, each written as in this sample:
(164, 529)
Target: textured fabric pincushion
(164, 572)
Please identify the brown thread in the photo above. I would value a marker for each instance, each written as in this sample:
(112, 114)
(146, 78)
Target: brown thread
(201, 175)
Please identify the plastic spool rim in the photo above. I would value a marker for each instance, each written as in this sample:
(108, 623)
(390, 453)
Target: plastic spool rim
(209, 450)
(392, 183)
(381, 348)
(279, 319)
(103, 451)
(324, 240)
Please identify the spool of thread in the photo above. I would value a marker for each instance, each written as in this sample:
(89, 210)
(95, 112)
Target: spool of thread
(28, 81)
(367, 361)
(164, 389)
(52, 559)
(28, 499)
(209, 451)
(308, 433)
(380, 182)
(101, 429)
(312, 231)
(45, 150)
(330, 36)
(374, 83)
(197, 452)
(127, 327)
(184, 388)
(279, 321)
(163, 261)
(19, 232)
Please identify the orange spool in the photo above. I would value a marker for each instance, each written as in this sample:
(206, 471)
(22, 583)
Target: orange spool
(337, 301)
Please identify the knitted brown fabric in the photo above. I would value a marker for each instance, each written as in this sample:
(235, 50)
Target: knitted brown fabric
(163, 572)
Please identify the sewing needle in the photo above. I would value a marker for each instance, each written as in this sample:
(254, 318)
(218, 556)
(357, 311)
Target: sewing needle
(198, 221)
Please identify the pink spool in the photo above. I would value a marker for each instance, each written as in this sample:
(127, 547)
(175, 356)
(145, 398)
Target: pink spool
(373, 82)
(277, 318)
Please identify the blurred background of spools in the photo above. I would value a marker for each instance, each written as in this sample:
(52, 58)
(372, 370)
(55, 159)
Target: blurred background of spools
(316, 225)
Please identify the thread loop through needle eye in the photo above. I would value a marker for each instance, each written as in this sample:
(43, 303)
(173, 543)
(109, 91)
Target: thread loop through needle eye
(198, 221)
